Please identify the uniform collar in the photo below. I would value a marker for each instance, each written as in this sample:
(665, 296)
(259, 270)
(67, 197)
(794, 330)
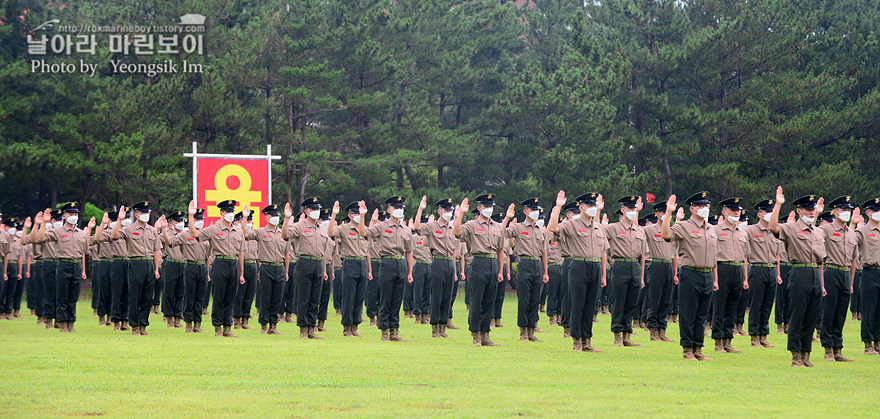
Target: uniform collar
(591, 224)
(69, 227)
(724, 226)
(705, 224)
(804, 225)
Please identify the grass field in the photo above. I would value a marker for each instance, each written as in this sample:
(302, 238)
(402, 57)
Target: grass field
(96, 371)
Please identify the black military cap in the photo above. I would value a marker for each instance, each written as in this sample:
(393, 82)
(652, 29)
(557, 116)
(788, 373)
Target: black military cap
(271, 209)
(659, 206)
(445, 203)
(313, 202)
(629, 201)
(9, 222)
(424, 218)
(113, 215)
(699, 198)
(572, 207)
(826, 216)
(842, 202)
(200, 214)
(497, 218)
(806, 201)
(143, 206)
(227, 205)
(872, 204)
(652, 218)
(20, 226)
(55, 214)
(618, 212)
(353, 207)
(238, 216)
(72, 207)
(177, 215)
(765, 205)
(325, 214)
(346, 219)
(530, 203)
(643, 221)
(476, 211)
(744, 216)
(383, 215)
(486, 199)
(588, 198)
(713, 219)
(734, 203)
(396, 201)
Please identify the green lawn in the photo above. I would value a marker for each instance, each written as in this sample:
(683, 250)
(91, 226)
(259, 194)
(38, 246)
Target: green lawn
(96, 371)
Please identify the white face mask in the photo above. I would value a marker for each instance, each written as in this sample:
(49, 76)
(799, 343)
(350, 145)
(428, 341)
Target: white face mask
(576, 217)
(10, 231)
(533, 214)
(229, 217)
(250, 226)
(732, 220)
(844, 216)
(144, 217)
(540, 223)
(703, 212)
(397, 213)
(325, 224)
(72, 219)
(57, 224)
(179, 226)
(451, 223)
(274, 220)
(742, 225)
(486, 212)
(591, 211)
(447, 215)
(112, 224)
(356, 219)
(200, 224)
(876, 216)
(18, 233)
(314, 214)
(631, 215)
(126, 222)
(809, 220)
(768, 216)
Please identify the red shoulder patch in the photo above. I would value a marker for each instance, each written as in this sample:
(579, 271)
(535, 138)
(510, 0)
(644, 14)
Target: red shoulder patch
(658, 235)
(136, 233)
(419, 243)
(307, 231)
(388, 231)
(802, 232)
(219, 233)
(759, 235)
(621, 232)
(525, 233)
(65, 235)
(480, 229)
(871, 235)
(723, 234)
(351, 233)
(695, 231)
(582, 230)
(835, 234)
(265, 235)
(438, 231)
(190, 238)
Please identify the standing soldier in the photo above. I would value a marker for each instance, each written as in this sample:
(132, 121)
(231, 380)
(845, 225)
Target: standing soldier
(837, 281)
(627, 248)
(195, 276)
(144, 252)
(118, 268)
(554, 270)
(484, 239)
(72, 248)
(227, 270)
(868, 240)
(102, 277)
(309, 275)
(572, 212)
(803, 243)
(442, 245)
(329, 253)
(372, 297)
(697, 249)
(356, 267)
(531, 272)
(4, 253)
(764, 273)
(50, 265)
(288, 295)
(271, 249)
(587, 245)
(662, 277)
(731, 258)
(27, 258)
(244, 294)
(781, 309)
(421, 286)
(35, 292)
(394, 245)
(14, 271)
(505, 274)
(172, 272)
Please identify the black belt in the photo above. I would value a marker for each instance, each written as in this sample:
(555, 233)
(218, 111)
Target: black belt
(731, 263)
(703, 270)
(271, 263)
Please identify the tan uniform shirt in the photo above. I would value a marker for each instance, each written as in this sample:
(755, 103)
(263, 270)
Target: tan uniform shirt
(141, 239)
(482, 237)
(657, 247)
(193, 250)
(840, 244)
(307, 239)
(584, 240)
(270, 245)
(4, 243)
(439, 238)
(696, 243)
(391, 239)
(225, 241)
(783, 255)
(868, 240)
(553, 255)
(732, 243)
(173, 252)
(251, 249)
(626, 242)
(72, 243)
(804, 242)
(350, 243)
(15, 250)
(421, 251)
(115, 248)
(763, 246)
(529, 239)
(50, 249)
(562, 241)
